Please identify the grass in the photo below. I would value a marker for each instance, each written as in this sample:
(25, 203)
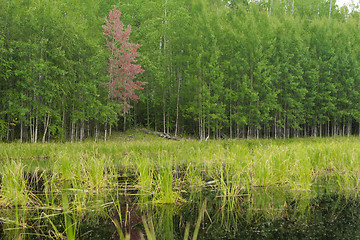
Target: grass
(159, 171)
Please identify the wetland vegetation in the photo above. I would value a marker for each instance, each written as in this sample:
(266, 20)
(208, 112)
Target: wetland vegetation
(220, 71)
(141, 185)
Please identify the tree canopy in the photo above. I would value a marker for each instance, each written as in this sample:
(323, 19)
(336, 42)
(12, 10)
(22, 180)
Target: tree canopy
(240, 69)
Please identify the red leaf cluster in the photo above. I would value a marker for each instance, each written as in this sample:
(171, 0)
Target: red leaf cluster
(122, 69)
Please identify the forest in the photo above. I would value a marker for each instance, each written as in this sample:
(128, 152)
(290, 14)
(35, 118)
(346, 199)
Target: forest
(209, 68)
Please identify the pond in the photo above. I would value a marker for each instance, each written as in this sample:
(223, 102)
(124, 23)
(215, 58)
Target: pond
(261, 213)
(231, 189)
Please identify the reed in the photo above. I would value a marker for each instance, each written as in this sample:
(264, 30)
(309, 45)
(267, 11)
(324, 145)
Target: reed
(244, 163)
(157, 171)
(14, 188)
(14, 223)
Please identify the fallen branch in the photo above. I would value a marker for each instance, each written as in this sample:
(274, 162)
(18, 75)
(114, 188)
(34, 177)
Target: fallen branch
(160, 134)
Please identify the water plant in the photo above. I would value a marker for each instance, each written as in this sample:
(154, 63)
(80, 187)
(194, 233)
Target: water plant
(76, 179)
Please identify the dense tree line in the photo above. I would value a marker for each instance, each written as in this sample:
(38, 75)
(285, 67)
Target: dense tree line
(275, 68)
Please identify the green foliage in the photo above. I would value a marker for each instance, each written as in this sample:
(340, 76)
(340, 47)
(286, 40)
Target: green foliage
(267, 68)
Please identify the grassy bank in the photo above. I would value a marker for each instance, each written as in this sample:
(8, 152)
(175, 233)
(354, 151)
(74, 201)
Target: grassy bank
(225, 164)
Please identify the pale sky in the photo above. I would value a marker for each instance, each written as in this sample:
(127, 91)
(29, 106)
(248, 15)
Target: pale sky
(340, 3)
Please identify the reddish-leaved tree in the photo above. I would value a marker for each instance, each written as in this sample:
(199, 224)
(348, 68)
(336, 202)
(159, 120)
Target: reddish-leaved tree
(122, 69)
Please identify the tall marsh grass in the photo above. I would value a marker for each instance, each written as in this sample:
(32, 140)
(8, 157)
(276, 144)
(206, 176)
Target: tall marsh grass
(75, 176)
(232, 164)
(14, 188)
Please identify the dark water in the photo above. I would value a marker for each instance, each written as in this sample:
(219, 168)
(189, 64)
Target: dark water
(327, 217)
(262, 214)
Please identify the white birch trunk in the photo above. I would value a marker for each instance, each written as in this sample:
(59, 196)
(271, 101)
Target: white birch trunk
(105, 131)
(177, 106)
(46, 124)
(349, 126)
(275, 136)
(72, 131)
(21, 131)
(96, 132)
(164, 113)
(82, 130)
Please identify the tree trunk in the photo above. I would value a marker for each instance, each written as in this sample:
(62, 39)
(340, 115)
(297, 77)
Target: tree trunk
(48, 132)
(96, 131)
(46, 124)
(177, 106)
(77, 131)
(208, 131)
(21, 130)
(275, 135)
(284, 134)
(164, 93)
(72, 131)
(147, 109)
(328, 128)
(320, 131)
(105, 131)
(155, 124)
(199, 130)
(63, 126)
(7, 134)
(230, 121)
(315, 131)
(110, 130)
(32, 127)
(82, 130)
(134, 118)
(349, 126)
(237, 131)
(88, 128)
(124, 122)
(168, 122)
(164, 113)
